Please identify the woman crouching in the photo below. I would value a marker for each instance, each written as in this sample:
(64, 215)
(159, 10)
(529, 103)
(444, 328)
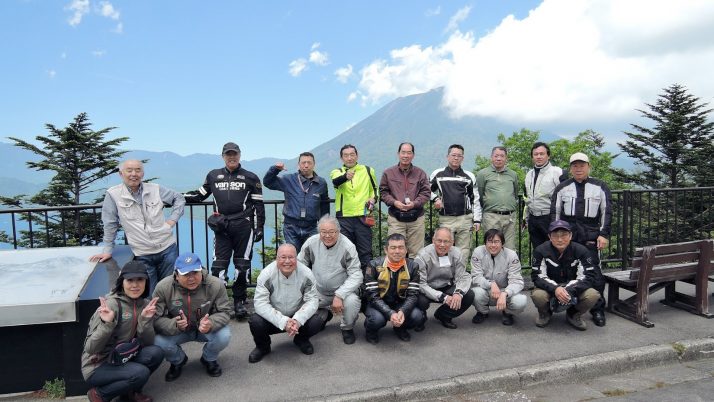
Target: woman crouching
(119, 352)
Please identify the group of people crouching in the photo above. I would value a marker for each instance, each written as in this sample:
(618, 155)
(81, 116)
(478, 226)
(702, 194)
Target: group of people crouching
(129, 335)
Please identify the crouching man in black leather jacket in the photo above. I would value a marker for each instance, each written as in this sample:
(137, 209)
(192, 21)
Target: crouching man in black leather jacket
(392, 288)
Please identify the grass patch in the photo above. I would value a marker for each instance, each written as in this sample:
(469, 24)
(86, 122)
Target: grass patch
(615, 392)
(54, 389)
(679, 348)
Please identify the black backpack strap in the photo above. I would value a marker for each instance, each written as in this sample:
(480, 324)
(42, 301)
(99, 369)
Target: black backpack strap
(371, 180)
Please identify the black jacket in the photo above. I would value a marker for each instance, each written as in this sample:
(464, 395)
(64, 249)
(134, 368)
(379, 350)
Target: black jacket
(574, 269)
(233, 192)
(393, 299)
(587, 206)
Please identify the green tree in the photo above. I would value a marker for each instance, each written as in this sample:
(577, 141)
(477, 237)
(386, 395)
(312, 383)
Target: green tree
(79, 156)
(676, 151)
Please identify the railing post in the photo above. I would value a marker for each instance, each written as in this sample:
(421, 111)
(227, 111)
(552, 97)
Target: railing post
(624, 229)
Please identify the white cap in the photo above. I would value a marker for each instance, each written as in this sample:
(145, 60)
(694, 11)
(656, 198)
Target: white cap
(579, 156)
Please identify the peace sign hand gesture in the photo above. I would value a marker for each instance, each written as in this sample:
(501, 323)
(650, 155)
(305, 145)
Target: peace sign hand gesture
(150, 309)
(105, 313)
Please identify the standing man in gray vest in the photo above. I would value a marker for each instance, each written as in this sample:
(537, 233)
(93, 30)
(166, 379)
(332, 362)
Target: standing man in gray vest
(139, 208)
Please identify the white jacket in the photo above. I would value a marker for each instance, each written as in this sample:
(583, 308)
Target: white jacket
(538, 196)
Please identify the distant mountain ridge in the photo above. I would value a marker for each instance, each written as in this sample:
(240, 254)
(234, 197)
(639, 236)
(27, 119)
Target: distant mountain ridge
(419, 119)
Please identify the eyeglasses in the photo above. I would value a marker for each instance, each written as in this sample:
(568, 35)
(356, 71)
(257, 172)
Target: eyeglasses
(493, 241)
(329, 232)
(438, 241)
(286, 257)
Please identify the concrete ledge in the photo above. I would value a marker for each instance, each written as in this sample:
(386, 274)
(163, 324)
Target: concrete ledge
(580, 368)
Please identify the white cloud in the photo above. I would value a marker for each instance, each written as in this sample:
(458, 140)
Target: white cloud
(457, 18)
(319, 58)
(297, 67)
(432, 12)
(99, 53)
(568, 60)
(344, 73)
(314, 46)
(119, 28)
(352, 96)
(79, 9)
(106, 9)
(51, 73)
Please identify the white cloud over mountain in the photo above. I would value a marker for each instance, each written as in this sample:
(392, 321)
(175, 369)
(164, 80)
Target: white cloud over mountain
(567, 60)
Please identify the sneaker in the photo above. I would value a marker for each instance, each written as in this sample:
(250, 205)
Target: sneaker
(348, 336)
(507, 319)
(543, 319)
(402, 334)
(372, 337)
(419, 328)
(257, 354)
(240, 310)
(479, 318)
(212, 368)
(576, 321)
(175, 370)
(304, 346)
(94, 395)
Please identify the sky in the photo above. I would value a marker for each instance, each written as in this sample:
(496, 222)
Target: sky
(279, 78)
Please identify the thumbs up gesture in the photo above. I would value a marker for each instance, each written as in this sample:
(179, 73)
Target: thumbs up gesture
(205, 325)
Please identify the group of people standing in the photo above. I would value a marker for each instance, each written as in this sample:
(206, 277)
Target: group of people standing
(326, 266)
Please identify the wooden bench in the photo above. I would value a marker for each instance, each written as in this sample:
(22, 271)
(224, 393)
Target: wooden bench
(661, 266)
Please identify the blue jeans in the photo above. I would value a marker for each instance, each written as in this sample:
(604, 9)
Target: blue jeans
(112, 381)
(159, 265)
(215, 342)
(297, 235)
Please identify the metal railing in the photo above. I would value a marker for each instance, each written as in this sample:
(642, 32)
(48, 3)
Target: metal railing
(640, 218)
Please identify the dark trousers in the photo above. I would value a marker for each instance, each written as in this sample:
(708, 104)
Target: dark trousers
(112, 381)
(238, 243)
(261, 329)
(538, 229)
(599, 284)
(375, 320)
(297, 235)
(445, 312)
(360, 235)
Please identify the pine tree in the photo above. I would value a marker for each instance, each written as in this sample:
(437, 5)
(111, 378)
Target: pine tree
(79, 157)
(676, 151)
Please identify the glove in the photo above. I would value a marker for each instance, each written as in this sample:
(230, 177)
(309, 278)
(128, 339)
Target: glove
(257, 235)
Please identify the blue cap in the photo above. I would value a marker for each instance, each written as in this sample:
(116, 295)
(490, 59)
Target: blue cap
(187, 262)
(558, 225)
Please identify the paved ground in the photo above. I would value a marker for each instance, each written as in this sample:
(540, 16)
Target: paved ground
(686, 381)
(488, 357)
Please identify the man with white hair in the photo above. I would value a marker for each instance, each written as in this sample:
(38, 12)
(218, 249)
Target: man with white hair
(139, 208)
(335, 263)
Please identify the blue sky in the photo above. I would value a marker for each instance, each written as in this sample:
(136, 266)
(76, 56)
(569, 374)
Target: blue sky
(283, 77)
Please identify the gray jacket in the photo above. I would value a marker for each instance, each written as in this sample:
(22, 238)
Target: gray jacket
(209, 297)
(278, 298)
(337, 269)
(538, 195)
(504, 269)
(142, 218)
(434, 274)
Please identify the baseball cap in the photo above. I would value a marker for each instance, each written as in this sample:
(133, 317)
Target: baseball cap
(231, 146)
(558, 225)
(133, 269)
(187, 262)
(579, 156)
